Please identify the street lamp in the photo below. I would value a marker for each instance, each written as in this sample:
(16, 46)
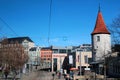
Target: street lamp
(60, 64)
(104, 69)
(95, 50)
(80, 62)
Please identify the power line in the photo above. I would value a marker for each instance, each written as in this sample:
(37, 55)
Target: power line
(49, 25)
(8, 26)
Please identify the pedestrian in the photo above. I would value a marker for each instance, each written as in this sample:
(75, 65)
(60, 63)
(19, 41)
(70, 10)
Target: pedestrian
(6, 72)
(36, 67)
(53, 74)
(71, 75)
(59, 75)
(67, 77)
(15, 74)
(65, 74)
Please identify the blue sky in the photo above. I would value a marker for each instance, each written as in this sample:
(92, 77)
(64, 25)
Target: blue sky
(72, 21)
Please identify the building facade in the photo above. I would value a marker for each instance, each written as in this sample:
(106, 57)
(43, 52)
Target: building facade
(46, 56)
(82, 59)
(81, 56)
(113, 66)
(58, 56)
(27, 43)
(78, 58)
(34, 56)
(57, 61)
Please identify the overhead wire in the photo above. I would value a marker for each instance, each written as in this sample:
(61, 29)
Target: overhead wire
(49, 24)
(7, 25)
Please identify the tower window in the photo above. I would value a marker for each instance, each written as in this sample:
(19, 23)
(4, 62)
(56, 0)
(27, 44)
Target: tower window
(98, 38)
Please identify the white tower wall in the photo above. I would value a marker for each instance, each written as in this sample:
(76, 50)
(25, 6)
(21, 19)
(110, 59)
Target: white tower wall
(101, 46)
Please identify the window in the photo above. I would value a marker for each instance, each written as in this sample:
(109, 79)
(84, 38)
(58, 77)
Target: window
(98, 38)
(62, 50)
(44, 58)
(86, 59)
(78, 58)
(69, 51)
(55, 50)
(45, 52)
(48, 58)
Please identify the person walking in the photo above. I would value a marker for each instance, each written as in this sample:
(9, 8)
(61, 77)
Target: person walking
(71, 75)
(59, 75)
(67, 77)
(6, 72)
(53, 75)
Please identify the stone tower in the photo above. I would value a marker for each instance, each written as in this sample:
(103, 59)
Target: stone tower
(101, 39)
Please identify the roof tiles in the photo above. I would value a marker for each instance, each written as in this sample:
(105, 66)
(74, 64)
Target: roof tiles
(100, 27)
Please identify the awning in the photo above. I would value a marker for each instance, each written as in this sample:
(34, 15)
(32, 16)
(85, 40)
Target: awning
(73, 69)
(97, 62)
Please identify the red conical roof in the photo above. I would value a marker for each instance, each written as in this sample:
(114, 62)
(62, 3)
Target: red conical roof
(100, 27)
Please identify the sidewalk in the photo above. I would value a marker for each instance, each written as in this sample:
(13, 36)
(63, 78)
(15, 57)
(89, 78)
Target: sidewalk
(34, 76)
(57, 78)
(29, 76)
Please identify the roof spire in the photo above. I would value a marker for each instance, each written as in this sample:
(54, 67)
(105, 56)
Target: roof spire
(99, 8)
(100, 27)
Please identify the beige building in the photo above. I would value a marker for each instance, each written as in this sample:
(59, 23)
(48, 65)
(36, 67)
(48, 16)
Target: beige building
(57, 61)
(58, 56)
(82, 58)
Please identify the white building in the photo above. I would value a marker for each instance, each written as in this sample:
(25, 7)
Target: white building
(34, 56)
(27, 44)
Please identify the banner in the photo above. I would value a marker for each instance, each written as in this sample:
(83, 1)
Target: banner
(70, 59)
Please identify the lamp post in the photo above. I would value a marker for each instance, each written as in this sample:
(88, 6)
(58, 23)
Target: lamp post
(104, 69)
(95, 71)
(94, 51)
(80, 62)
(60, 64)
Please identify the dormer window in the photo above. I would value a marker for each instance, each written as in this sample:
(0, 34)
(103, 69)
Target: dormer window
(98, 38)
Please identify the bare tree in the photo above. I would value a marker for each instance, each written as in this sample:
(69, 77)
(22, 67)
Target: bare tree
(115, 30)
(12, 56)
